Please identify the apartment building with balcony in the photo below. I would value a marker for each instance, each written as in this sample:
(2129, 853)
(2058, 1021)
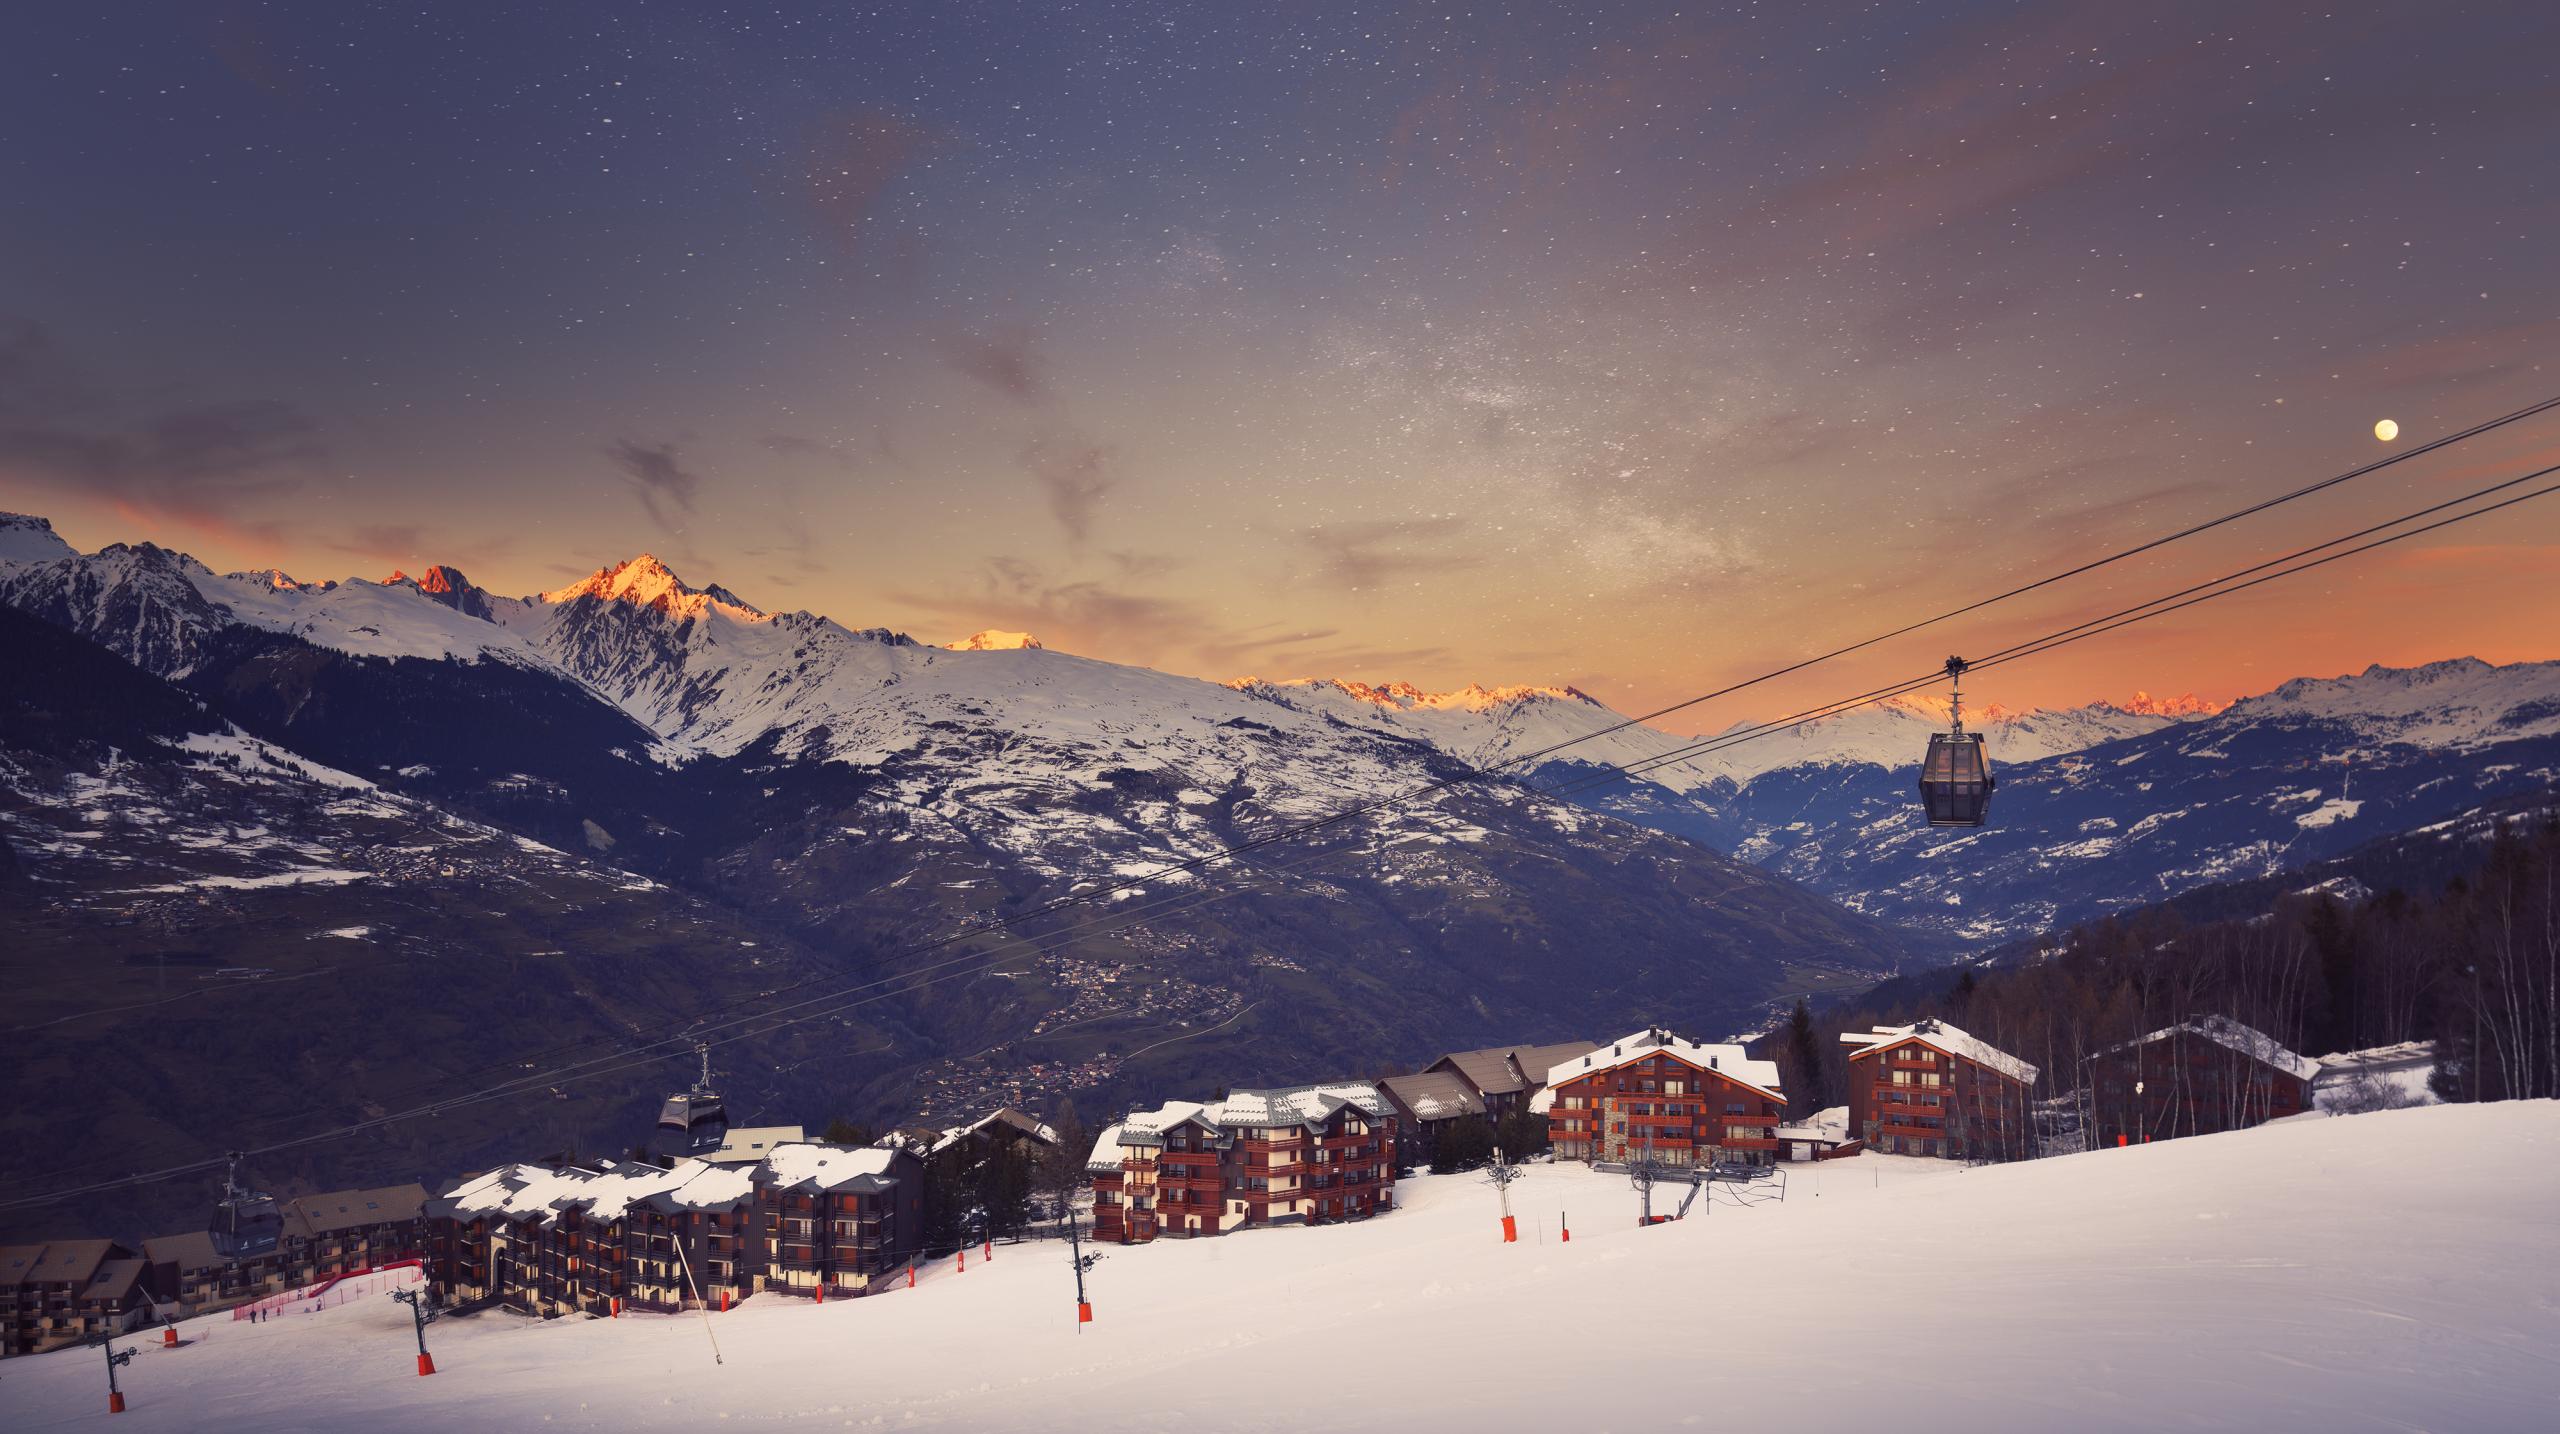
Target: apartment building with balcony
(1931, 1089)
(1659, 1096)
(59, 1292)
(555, 1241)
(2198, 1077)
(837, 1221)
(1304, 1154)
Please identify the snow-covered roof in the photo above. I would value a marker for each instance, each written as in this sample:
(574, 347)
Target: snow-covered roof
(2229, 1034)
(2406, 1055)
(1729, 1061)
(1308, 1105)
(1945, 1038)
(826, 1167)
(1435, 1095)
(1147, 1127)
(1297, 1105)
(520, 1191)
(1108, 1152)
(1002, 1115)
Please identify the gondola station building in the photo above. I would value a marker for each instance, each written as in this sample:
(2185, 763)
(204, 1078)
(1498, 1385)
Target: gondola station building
(1931, 1089)
(1657, 1095)
(1303, 1155)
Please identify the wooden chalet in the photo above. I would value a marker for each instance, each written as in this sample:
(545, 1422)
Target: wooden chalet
(2198, 1077)
(1931, 1089)
(1508, 1078)
(1657, 1095)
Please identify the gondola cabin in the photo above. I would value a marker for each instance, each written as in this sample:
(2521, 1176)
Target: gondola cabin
(1955, 773)
(1955, 780)
(245, 1223)
(693, 1123)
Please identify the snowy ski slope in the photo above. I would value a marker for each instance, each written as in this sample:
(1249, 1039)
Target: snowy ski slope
(2389, 1271)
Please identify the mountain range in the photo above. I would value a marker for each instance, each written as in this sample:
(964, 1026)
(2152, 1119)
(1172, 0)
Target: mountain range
(801, 806)
(673, 801)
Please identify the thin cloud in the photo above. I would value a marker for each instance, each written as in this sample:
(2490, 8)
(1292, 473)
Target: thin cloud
(1368, 555)
(1005, 361)
(1073, 474)
(657, 477)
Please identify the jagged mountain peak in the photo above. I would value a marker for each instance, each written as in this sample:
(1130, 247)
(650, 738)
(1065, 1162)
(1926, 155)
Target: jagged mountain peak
(994, 640)
(278, 580)
(1406, 697)
(645, 581)
(26, 538)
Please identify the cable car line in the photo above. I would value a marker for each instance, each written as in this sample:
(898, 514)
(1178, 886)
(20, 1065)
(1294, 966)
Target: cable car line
(2122, 617)
(2034, 647)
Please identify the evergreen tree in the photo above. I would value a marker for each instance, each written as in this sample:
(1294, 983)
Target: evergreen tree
(841, 1131)
(950, 1202)
(1003, 1180)
(1464, 1144)
(1522, 1133)
(1812, 1082)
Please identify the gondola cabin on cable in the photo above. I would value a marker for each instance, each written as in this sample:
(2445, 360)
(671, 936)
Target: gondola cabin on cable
(245, 1224)
(1955, 775)
(693, 1123)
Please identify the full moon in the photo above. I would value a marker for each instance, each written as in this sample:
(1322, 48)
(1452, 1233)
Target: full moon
(2386, 430)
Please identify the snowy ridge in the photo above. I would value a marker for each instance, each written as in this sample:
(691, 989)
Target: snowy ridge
(2460, 703)
(1486, 725)
(993, 640)
(26, 539)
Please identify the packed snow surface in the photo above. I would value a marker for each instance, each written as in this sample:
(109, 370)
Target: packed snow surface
(2386, 1271)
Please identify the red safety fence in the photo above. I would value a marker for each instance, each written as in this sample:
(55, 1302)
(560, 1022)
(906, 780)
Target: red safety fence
(337, 1290)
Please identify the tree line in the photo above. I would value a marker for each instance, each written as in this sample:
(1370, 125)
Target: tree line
(2473, 967)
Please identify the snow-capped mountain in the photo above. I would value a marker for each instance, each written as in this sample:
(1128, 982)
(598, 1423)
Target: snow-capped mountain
(1568, 741)
(862, 795)
(25, 539)
(994, 640)
(2270, 784)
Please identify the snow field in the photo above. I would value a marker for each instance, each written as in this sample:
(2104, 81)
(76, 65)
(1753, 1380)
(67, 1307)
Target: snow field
(2389, 1271)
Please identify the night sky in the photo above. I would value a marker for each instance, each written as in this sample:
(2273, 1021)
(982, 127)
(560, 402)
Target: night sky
(1637, 347)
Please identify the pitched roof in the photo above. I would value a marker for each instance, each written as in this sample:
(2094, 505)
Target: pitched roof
(1434, 1095)
(532, 1191)
(113, 1280)
(1513, 1070)
(52, 1261)
(1305, 1105)
(820, 1167)
(2405, 1056)
(1945, 1038)
(747, 1144)
(2229, 1034)
(995, 1123)
(314, 1215)
(1729, 1061)
(1107, 1151)
(190, 1250)
(1298, 1105)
